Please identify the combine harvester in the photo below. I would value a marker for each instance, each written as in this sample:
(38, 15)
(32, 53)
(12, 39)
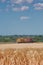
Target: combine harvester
(24, 40)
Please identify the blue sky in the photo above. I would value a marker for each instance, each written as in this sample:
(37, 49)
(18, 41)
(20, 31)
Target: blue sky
(23, 17)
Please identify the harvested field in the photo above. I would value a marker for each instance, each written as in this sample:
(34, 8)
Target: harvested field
(21, 54)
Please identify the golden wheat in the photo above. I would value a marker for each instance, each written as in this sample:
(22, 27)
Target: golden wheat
(26, 56)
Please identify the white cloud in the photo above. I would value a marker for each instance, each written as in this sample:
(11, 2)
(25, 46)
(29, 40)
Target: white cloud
(29, 1)
(38, 6)
(21, 1)
(22, 8)
(18, 1)
(11, 5)
(24, 17)
(3, 1)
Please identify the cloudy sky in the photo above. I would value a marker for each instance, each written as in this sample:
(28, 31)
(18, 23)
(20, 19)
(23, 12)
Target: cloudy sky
(21, 17)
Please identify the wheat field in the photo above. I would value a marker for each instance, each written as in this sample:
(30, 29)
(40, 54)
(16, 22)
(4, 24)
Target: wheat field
(25, 55)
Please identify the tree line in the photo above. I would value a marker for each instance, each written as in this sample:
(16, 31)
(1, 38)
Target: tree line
(13, 38)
